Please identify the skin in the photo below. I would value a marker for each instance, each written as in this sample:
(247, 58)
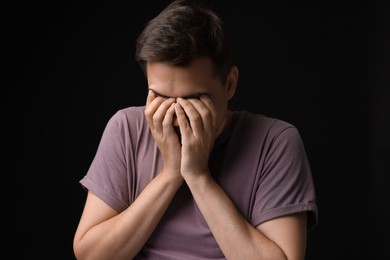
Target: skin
(186, 109)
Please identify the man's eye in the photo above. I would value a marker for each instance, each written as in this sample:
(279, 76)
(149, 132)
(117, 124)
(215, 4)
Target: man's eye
(194, 97)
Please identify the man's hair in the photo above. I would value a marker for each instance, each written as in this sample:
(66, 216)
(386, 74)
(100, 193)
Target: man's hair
(186, 30)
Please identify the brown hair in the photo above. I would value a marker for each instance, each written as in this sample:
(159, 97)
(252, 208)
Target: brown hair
(183, 31)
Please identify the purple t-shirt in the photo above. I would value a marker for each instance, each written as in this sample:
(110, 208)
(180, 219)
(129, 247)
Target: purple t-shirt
(259, 161)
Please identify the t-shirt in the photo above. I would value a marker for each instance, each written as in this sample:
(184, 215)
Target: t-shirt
(259, 161)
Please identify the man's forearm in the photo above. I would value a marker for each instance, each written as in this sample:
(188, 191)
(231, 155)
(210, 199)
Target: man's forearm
(236, 237)
(122, 236)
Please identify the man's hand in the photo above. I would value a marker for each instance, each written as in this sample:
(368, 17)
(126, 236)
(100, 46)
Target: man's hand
(159, 113)
(196, 118)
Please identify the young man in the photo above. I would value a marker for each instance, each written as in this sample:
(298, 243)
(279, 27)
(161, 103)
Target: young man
(184, 177)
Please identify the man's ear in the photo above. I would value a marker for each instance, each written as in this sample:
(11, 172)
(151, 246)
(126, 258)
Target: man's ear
(231, 81)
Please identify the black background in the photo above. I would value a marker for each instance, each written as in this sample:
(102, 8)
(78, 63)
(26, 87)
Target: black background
(322, 66)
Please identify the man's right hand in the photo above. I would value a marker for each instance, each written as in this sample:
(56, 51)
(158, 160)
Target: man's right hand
(160, 113)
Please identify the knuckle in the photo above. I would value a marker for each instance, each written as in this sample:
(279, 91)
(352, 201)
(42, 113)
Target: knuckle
(196, 119)
(155, 118)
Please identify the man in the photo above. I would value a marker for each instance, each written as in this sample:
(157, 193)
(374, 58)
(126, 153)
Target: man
(184, 177)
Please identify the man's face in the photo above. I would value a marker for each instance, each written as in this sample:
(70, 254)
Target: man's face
(189, 82)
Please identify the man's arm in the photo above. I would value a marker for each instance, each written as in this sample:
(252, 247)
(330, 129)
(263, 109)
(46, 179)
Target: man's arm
(280, 238)
(104, 234)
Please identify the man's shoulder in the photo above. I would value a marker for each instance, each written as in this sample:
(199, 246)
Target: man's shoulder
(124, 117)
(132, 110)
(129, 113)
(262, 120)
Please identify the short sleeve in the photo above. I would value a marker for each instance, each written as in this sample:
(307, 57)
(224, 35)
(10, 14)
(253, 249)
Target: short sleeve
(107, 176)
(286, 185)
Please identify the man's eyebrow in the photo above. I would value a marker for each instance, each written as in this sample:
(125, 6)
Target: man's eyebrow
(194, 95)
(158, 94)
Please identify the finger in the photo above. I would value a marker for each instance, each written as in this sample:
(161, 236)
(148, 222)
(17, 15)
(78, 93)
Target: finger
(184, 125)
(160, 113)
(210, 105)
(152, 104)
(153, 101)
(168, 119)
(195, 119)
(151, 95)
(205, 113)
